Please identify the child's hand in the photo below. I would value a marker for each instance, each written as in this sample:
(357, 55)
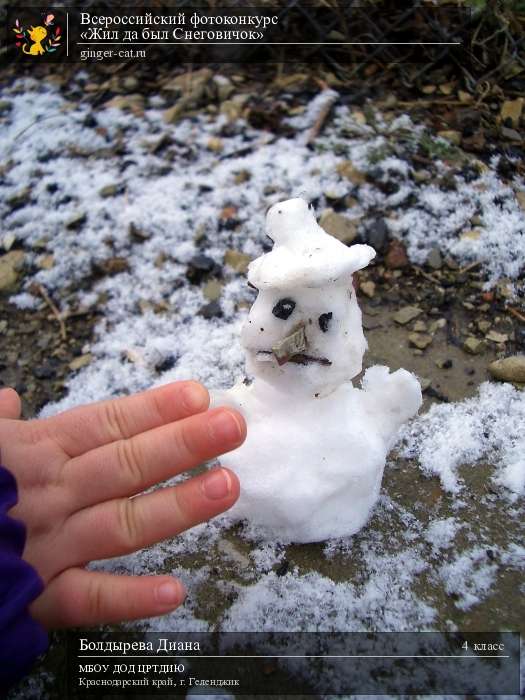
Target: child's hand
(76, 473)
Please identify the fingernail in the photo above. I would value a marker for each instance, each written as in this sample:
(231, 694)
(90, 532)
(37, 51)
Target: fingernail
(170, 593)
(225, 427)
(194, 397)
(217, 484)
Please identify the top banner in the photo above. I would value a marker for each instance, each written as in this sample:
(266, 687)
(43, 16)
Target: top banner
(342, 33)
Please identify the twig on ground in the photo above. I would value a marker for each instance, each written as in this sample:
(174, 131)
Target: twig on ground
(56, 313)
(516, 313)
(319, 122)
(469, 267)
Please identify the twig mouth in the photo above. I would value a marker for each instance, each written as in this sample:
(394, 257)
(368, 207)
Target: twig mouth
(299, 358)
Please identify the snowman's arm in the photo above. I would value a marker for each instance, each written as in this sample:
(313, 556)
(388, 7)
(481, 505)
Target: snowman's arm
(394, 397)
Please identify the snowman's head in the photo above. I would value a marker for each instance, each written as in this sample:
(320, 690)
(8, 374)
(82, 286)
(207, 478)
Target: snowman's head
(304, 329)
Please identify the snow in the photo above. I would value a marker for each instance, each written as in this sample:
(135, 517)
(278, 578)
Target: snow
(487, 427)
(469, 577)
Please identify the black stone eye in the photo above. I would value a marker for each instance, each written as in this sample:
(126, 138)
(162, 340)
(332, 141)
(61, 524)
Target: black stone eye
(324, 321)
(284, 308)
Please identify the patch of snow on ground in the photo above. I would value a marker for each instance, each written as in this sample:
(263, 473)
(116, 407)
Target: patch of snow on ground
(469, 577)
(487, 427)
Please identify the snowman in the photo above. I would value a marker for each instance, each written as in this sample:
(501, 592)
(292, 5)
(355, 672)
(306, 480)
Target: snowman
(311, 466)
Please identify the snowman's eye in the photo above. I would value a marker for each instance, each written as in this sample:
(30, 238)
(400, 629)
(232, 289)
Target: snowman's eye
(324, 321)
(284, 308)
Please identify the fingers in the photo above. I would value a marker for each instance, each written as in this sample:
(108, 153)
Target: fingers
(88, 427)
(78, 597)
(125, 525)
(127, 467)
(10, 404)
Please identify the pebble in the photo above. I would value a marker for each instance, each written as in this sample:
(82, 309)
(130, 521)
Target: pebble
(473, 345)
(396, 257)
(348, 171)
(237, 260)
(420, 327)
(19, 199)
(484, 326)
(425, 383)
(212, 290)
(444, 364)
(496, 337)
(215, 144)
(338, 226)
(368, 288)
(11, 265)
(434, 259)
(407, 314)
(211, 310)
(509, 369)
(420, 340)
(8, 240)
(76, 221)
(81, 361)
(377, 234)
(5, 106)
(111, 190)
(138, 234)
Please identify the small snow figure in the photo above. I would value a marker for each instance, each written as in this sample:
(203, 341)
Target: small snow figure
(312, 464)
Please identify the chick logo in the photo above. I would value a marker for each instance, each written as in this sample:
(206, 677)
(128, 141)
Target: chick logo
(39, 40)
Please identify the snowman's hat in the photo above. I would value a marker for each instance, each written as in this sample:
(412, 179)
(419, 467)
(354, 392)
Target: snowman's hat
(304, 255)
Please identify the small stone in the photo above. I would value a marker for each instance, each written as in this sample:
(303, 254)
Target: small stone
(199, 267)
(377, 234)
(224, 87)
(348, 171)
(473, 345)
(496, 337)
(368, 288)
(471, 234)
(237, 260)
(5, 106)
(212, 290)
(437, 325)
(434, 259)
(111, 190)
(444, 364)
(425, 383)
(407, 314)
(10, 266)
(484, 326)
(242, 176)
(47, 262)
(3, 326)
(520, 196)
(7, 241)
(511, 134)
(511, 109)
(451, 263)
(76, 221)
(509, 369)
(419, 340)
(215, 144)
(45, 371)
(127, 103)
(420, 327)
(137, 233)
(396, 257)
(19, 199)
(211, 310)
(338, 226)
(130, 83)
(450, 135)
(112, 266)
(81, 361)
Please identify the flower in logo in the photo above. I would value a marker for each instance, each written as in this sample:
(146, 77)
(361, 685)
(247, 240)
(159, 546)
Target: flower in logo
(39, 40)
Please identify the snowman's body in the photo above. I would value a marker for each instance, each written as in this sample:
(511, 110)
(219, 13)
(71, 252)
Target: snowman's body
(313, 460)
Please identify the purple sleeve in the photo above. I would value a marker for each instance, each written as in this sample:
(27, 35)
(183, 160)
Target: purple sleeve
(21, 638)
